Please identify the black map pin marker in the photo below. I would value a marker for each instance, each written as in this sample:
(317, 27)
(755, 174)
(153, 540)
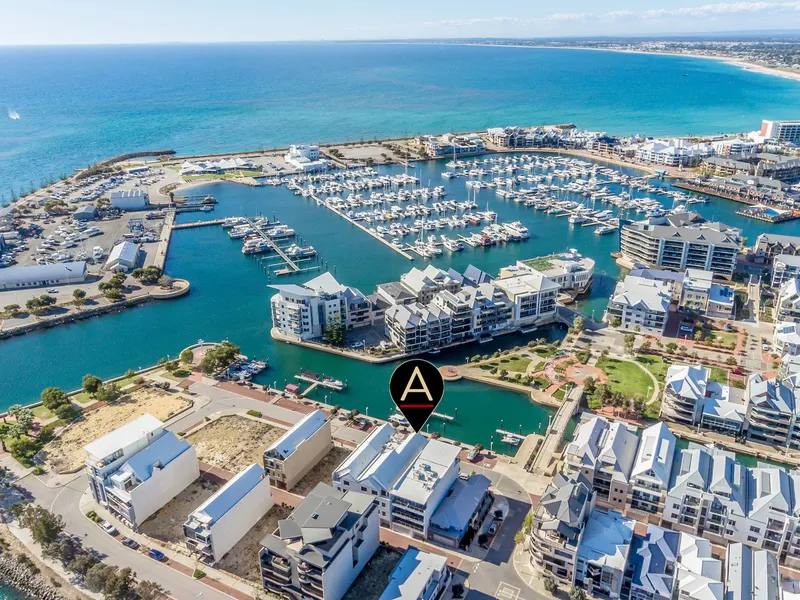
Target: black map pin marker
(416, 387)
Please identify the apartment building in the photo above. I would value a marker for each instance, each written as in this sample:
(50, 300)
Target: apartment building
(734, 147)
(784, 268)
(786, 340)
(558, 524)
(533, 297)
(709, 247)
(571, 271)
(674, 152)
(649, 479)
(464, 507)
(671, 565)
(298, 450)
(423, 284)
(770, 245)
(218, 524)
(700, 295)
(304, 311)
(418, 492)
(322, 547)
(376, 465)
(305, 158)
(751, 574)
(451, 144)
(602, 557)
(418, 576)
(781, 131)
(787, 303)
(640, 303)
(772, 412)
(604, 453)
(136, 469)
(691, 398)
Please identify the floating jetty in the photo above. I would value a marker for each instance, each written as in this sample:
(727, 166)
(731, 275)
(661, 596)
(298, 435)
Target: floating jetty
(315, 379)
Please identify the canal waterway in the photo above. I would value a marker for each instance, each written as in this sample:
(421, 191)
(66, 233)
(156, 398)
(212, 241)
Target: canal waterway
(230, 299)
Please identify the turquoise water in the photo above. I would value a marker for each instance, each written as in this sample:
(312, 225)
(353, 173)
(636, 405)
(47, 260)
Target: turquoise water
(230, 299)
(80, 104)
(7, 593)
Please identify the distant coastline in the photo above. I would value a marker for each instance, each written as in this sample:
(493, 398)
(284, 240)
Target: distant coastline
(742, 64)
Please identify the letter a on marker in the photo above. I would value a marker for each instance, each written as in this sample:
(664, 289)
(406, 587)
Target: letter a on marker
(416, 375)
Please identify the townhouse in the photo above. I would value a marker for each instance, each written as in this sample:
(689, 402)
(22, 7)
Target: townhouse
(322, 547)
(787, 303)
(136, 469)
(640, 304)
(784, 268)
(418, 576)
(751, 574)
(451, 144)
(786, 339)
(772, 412)
(770, 245)
(691, 398)
(667, 565)
(558, 524)
(649, 479)
(710, 247)
(218, 524)
(699, 294)
(533, 297)
(297, 451)
(673, 152)
(602, 557)
(604, 453)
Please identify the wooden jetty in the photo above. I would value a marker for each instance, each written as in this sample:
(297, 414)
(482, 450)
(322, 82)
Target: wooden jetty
(198, 224)
(292, 266)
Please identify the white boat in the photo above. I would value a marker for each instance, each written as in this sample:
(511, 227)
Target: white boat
(518, 228)
(604, 229)
(399, 420)
(451, 244)
(511, 440)
(576, 219)
(256, 246)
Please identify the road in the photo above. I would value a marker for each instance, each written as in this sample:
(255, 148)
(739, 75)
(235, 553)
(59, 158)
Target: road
(66, 502)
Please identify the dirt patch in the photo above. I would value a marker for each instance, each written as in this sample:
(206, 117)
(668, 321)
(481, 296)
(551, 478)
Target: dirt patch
(233, 443)
(371, 582)
(167, 524)
(66, 453)
(242, 560)
(322, 471)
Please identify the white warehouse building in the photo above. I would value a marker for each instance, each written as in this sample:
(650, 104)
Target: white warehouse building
(123, 257)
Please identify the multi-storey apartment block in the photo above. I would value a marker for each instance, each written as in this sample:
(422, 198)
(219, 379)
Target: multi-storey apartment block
(787, 303)
(772, 412)
(640, 303)
(136, 469)
(690, 398)
(602, 557)
(649, 478)
(298, 450)
(322, 547)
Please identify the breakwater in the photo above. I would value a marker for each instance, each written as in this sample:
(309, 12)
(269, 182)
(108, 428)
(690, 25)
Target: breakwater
(21, 577)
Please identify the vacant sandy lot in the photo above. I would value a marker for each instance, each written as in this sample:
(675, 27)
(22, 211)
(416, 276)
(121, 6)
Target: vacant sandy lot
(322, 471)
(371, 582)
(66, 453)
(167, 524)
(233, 443)
(242, 560)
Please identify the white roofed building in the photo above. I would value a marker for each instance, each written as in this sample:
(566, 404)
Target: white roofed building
(787, 303)
(691, 398)
(786, 340)
(218, 524)
(604, 453)
(602, 556)
(305, 158)
(651, 470)
(298, 450)
(674, 152)
(122, 258)
(772, 412)
(642, 303)
(13, 278)
(418, 576)
(751, 574)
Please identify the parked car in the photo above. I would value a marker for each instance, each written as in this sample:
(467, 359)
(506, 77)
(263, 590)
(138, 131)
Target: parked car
(133, 544)
(156, 554)
(737, 372)
(765, 346)
(492, 528)
(463, 476)
(52, 291)
(108, 528)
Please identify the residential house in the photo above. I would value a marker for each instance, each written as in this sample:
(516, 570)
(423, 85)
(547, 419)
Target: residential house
(463, 509)
(699, 294)
(786, 340)
(751, 574)
(297, 451)
(770, 245)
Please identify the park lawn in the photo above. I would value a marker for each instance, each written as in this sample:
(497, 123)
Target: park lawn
(718, 374)
(625, 377)
(82, 398)
(726, 337)
(652, 411)
(42, 412)
(655, 364)
(544, 352)
(515, 363)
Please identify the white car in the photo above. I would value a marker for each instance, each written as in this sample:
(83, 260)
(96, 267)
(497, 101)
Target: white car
(52, 291)
(108, 528)
(765, 346)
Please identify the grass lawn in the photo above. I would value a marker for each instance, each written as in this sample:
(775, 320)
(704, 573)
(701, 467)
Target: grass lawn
(544, 352)
(82, 398)
(625, 377)
(718, 374)
(559, 393)
(726, 337)
(42, 412)
(652, 411)
(514, 363)
(654, 364)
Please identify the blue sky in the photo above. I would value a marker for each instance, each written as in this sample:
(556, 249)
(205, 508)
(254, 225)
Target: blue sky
(147, 21)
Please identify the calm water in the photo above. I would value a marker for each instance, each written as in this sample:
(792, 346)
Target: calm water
(230, 299)
(81, 104)
(7, 593)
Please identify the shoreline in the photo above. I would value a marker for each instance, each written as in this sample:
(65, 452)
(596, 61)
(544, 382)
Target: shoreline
(742, 64)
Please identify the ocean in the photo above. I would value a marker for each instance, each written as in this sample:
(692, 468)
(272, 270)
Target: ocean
(7, 593)
(79, 104)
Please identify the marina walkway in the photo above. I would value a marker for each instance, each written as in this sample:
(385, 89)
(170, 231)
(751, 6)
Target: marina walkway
(289, 262)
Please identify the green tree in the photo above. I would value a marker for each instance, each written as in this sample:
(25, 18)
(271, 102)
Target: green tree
(550, 586)
(107, 392)
(91, 383)
(97, 576)
(644, 348)
(578, 323)
(671, 347)
(67, 412)
(12, 309)
(54, 397)
(218, 357)
(187, 356)
(150, 590)
(82, 563)
(731, 361)
(615, 322)
(120, 584)
(576, 593)
(147, 275)
(698, 335)
(334, 332)
(78, 297)
(45, 526)
(63, 551)
(589, 385)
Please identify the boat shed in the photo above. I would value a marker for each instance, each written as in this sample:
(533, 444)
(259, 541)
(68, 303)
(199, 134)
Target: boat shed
(42, 275)
(85, 213)
(130, 200)
(122, 257)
